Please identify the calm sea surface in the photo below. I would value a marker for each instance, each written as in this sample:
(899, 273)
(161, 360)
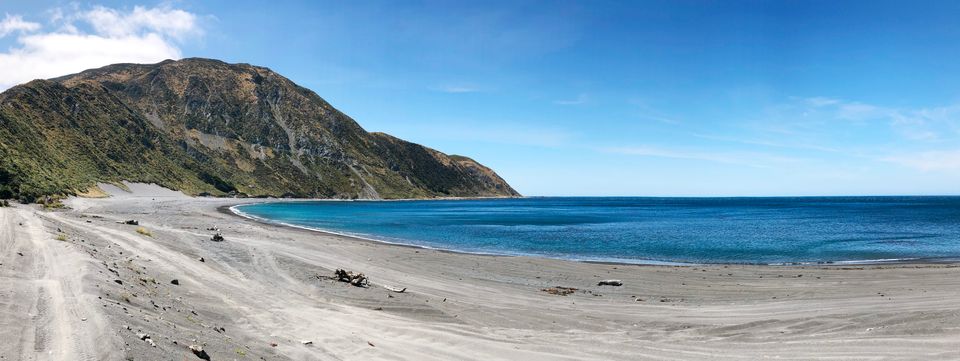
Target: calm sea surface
(697, 230)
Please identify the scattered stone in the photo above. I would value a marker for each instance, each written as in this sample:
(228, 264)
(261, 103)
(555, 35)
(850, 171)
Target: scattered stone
(201, 259)
(610, 283)
(197, 350)
(273, 344)
(20, 254)
(132, 222)
(306, 342)
(217, 237)
(175, 282)
(143, 336)
(561, 291)
(371, 344)
(119, 282)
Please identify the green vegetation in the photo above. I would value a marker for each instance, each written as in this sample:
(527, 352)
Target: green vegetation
(61, 237)
(207, 127)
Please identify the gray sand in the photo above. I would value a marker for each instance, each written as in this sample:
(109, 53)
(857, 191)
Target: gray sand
(257, 296)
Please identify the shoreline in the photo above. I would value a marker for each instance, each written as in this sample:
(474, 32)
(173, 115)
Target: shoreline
(232, 211)
(228, 210)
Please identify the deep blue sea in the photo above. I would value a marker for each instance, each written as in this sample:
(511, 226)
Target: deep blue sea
(641, 230)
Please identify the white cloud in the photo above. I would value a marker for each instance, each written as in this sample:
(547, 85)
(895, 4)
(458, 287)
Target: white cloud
(174, 23)
(12, 23)
(141, 35)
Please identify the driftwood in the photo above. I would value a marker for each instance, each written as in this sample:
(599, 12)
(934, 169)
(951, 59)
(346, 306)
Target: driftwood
(356, 279)
(610, 283)
(395, 289)
(561, 291)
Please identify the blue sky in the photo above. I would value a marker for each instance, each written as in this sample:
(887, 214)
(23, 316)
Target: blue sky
(583, 98)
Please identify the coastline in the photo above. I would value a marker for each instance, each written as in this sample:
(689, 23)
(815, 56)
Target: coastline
(233, 211)
(266, 291)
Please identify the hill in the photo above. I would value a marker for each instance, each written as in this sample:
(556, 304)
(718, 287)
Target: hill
(203, 126)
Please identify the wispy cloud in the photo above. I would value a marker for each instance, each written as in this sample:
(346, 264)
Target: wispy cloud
(456, 89)
(922, 138)
(821, 101)
(930, 123)
(13, 23)
(486, 132)
(768, 143)
(938, 160)
(824, 116)
(750, 159)
(580, 99)
(140, 35)
(645, 111)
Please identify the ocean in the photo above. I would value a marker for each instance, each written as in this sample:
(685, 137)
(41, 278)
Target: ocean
(777, 230)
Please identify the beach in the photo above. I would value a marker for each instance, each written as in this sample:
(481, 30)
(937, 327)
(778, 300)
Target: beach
(80, 284)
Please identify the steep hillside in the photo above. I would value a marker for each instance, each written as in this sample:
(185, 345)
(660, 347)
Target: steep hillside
(205, 126)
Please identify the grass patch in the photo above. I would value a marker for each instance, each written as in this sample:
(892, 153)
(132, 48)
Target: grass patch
(144, 232)
(61, 237)
(93, 192)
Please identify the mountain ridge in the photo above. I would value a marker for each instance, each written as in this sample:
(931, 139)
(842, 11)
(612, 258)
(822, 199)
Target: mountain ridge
(204, 126)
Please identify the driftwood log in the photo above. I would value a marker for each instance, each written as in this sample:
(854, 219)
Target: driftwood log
(560, 291)
(356, 279)
(396, 289)
(610, 283)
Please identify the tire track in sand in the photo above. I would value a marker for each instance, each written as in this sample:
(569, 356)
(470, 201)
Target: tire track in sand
(56, 319)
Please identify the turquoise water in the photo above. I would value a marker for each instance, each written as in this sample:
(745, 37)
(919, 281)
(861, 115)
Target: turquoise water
(641, 230)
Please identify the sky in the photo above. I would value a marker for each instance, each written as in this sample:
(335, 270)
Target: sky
(607, 98)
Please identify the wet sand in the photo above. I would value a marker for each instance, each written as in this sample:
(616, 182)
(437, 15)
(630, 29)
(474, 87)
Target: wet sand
(257, 295)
